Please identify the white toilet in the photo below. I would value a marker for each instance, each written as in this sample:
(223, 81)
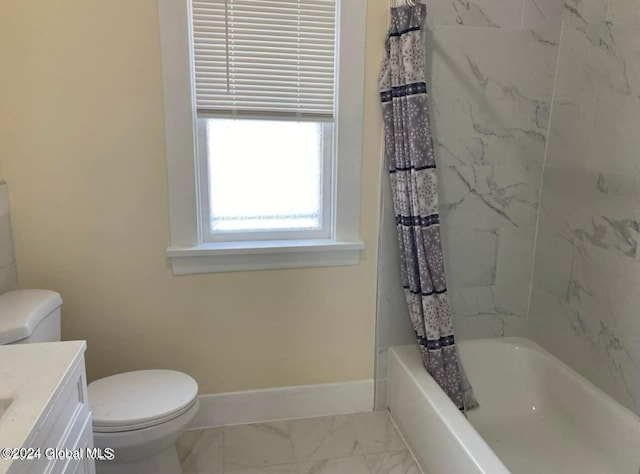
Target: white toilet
(139, 414)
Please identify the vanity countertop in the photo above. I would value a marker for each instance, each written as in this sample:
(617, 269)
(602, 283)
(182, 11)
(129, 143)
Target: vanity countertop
(31, 375)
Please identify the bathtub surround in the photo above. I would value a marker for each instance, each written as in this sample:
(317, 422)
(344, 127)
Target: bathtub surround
(491, 89)
(490, 72)
(414, 185)
(585, 300)
(492, 93)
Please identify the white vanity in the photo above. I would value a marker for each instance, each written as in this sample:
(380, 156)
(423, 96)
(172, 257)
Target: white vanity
(44, 409)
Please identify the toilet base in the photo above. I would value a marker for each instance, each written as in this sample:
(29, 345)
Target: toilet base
(146, 451)
(165, 462)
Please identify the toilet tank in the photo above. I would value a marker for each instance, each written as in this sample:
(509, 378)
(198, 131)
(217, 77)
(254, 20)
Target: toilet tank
(29, 316)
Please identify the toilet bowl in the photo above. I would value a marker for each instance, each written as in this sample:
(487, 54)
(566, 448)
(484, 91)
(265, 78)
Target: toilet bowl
(139, 415)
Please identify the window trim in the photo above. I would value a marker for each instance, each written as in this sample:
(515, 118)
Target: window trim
(188, 252)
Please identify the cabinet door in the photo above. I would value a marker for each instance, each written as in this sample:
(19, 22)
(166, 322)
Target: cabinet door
(61, 423)
(84, 442)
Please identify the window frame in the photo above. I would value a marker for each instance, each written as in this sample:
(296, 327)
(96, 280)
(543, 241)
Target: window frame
(189, 252)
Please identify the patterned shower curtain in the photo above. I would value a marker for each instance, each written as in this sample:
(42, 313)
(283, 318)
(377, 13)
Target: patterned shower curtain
(412, 167)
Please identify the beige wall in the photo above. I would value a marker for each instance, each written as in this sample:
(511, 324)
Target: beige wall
(82, 148)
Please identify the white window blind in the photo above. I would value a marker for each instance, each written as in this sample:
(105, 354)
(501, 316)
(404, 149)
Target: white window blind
(265, 57)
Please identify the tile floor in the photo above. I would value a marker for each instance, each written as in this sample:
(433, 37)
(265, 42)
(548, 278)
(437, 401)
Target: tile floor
(363, 443)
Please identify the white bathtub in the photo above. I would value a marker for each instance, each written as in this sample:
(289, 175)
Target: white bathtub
(536, 415)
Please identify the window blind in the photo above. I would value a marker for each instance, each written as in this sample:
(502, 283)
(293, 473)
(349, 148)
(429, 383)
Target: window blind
(265, 57)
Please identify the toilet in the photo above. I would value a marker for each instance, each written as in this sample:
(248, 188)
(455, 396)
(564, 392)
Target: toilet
(139, 414)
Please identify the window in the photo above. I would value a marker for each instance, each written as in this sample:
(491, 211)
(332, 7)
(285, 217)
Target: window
(263, 123)
(265, 179)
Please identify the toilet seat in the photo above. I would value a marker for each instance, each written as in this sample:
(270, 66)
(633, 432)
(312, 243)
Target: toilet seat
(140, 399)
(115, 428)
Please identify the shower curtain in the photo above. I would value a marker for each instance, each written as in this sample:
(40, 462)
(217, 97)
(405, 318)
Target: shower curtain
(412, 169)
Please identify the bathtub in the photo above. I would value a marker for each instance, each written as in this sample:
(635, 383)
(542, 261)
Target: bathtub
(536, 415)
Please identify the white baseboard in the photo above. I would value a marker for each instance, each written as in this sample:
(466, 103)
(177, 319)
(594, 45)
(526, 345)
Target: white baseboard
(283, 403)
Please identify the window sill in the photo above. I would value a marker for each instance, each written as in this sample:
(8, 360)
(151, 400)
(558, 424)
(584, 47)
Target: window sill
(219, 257)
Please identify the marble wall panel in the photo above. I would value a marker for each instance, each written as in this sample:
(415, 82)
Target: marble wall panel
(491, 92)
(542, 13)
(484, 13)
(585, 299)
(478, 131)
(491, 63)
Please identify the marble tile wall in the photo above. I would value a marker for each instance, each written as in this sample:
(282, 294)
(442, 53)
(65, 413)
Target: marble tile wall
(585, 300)
(491, 69)
(8, 271)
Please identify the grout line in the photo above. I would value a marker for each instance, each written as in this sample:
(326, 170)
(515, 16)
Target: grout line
(293, 450)
(379, 290)
(544, 165)
(223, 450)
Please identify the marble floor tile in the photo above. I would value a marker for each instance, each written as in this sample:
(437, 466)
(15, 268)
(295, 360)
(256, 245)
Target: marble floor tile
(257, 445)
(186, 443)
(361, 443)
(399, 462)
(376, 433)
(349, 465)
(323, 438)
(201, 451)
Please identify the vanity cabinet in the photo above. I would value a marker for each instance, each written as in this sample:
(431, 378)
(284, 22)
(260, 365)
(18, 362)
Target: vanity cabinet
(63, 432)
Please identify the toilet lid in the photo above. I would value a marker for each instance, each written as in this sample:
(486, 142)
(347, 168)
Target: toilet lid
(140, 399)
